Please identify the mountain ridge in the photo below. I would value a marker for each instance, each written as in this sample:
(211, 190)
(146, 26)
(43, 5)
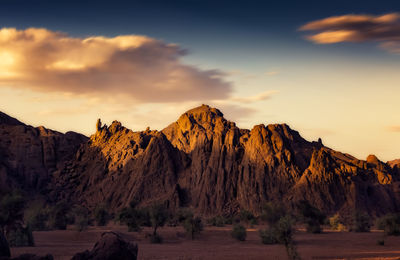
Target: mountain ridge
(206, 162)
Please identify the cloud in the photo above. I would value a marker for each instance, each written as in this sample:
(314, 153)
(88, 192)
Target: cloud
(134, 67)
(272, 73)
(393, 128)
(357, 28)
(259, 97)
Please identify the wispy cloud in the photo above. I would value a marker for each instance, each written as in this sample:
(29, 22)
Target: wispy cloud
(272, 73)
(259, 97)
(141, 68)
(393, 128)
(357, 28)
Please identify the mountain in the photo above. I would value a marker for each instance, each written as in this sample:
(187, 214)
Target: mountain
(29, 155)
(206, 162)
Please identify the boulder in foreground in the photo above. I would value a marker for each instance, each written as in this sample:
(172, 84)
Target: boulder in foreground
(110, 246)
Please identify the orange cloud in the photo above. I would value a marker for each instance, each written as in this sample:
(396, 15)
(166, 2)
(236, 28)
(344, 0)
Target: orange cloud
(357, 28)
(139, 67)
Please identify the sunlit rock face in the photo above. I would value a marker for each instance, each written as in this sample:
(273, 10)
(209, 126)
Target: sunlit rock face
(206, 162)
(29, 155)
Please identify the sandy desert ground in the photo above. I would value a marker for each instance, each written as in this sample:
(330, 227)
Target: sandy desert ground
(216, 243)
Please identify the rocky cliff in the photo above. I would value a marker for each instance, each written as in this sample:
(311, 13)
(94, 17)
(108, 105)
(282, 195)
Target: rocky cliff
(205, 161)
(29, 155)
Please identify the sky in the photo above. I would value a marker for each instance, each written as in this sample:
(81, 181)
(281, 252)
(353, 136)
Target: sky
(329, 69)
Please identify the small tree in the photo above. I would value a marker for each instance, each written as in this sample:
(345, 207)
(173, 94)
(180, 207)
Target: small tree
(101, 215)
(81, 218)
(132, 217)
(158, 217)
(58, 216)
(193, 226)
(247, 217)
(390, 224)
(217, 221)
(11, 212)
(335, 223)
(239, 232)
(361, 222)
(311, 216)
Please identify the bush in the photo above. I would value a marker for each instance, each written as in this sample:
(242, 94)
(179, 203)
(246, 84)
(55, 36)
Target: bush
(58, 216)
(336, 224)
(81, 218)
(390, 224)
(311, 216)
(218, 221)
(272, 213)
(380, 242)
(193, 226)
(247, 217)
(134, 217)
(37, 220)
(20, 237)
(239, 232)
(11, 211)
(281, 233)
(101, 215)
(361, 222)
(268, 236)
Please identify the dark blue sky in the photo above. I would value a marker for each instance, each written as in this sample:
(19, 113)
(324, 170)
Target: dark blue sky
(182, 21)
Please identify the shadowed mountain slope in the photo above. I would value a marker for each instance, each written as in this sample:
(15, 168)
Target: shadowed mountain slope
(29, 155)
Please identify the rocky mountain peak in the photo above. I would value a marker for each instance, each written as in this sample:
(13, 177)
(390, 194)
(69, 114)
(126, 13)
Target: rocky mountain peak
(204, 116)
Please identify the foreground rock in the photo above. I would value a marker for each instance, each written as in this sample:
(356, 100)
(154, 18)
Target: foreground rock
(111, 246)
(33, 257)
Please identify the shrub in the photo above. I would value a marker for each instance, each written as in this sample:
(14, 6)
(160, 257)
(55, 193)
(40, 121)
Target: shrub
(193, 226)
(336, 224)
(101, 215)
(134, 217)
(311, 216)
(390, 224)
(58, 216)
(272, 213)
(37, 220)
(81, 218)
(20, 237)
(11, 211)
(380, 242)
(282, 233)
(268, 236)
(218, 221)
(239, 232)
(361, 222)
(246, 216)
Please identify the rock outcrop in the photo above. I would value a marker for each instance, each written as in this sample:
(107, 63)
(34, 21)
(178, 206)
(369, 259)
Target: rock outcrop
(111, 246)
(207, 162)
(29, 155)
